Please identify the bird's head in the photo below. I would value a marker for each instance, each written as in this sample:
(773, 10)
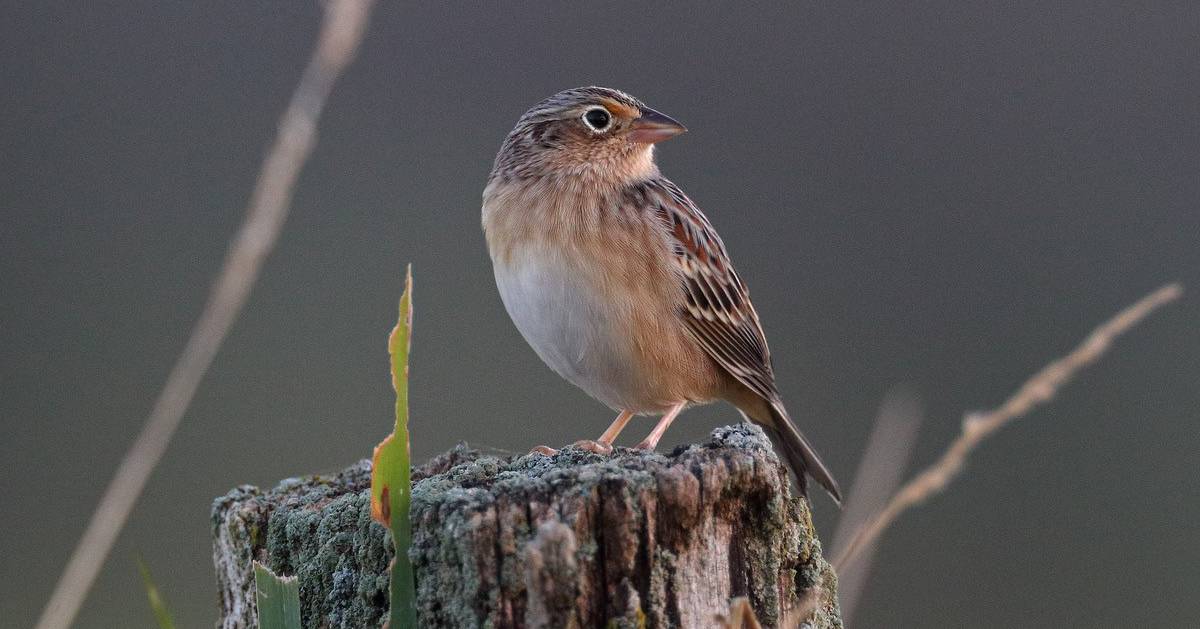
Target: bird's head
(594, 133)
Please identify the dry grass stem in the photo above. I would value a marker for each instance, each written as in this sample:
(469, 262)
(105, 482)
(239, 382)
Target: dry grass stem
(801, 616)
(978, 426)
(341, 32)
(879, 473)
(741, 616)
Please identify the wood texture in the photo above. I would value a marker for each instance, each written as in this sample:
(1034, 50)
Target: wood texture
(576, 540)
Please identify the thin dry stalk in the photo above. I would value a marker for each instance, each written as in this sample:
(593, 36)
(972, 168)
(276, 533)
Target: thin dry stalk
(978, 426)
(341, 32)
(879, 474)
(741, 616)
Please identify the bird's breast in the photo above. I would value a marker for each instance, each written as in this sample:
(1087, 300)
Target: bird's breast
(564, 318)
(592, 289)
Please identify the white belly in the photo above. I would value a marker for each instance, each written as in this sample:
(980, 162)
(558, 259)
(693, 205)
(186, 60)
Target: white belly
(568, 325)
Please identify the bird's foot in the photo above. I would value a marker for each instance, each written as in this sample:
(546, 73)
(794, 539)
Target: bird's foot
(646, 445)
(595, 447)
(543, 450)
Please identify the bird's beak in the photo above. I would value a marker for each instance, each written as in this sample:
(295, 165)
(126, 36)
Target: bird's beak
(652, 127)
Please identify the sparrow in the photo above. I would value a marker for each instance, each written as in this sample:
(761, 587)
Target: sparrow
(618, 281)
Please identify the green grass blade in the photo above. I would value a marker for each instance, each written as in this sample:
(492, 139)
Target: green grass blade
(278, 599)
(162, 615)
(391, 486)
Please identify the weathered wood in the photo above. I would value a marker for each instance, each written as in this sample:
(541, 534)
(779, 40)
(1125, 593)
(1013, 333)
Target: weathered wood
(574, 540)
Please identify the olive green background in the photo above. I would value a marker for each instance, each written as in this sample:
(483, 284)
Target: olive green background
(944, 196)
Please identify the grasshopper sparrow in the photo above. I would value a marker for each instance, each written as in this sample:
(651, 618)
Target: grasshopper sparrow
(618, 281)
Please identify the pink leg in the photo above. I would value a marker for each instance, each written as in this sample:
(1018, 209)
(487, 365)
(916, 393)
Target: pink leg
(603, 445)
(616, 427)
(651, 440)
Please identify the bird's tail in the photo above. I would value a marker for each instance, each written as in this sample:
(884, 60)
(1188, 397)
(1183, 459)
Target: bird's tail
(800, 455)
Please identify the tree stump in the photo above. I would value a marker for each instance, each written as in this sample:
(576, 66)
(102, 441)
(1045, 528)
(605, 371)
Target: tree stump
(634, 539)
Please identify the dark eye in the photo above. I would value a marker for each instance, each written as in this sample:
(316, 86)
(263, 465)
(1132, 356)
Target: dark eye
(598, 119)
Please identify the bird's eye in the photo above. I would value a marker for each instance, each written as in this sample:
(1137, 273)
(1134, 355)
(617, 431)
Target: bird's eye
(597, 119)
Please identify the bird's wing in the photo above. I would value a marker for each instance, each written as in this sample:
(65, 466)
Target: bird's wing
(717, 309)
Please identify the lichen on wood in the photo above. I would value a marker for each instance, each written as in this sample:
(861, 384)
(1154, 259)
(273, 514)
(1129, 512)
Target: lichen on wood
(574, 540)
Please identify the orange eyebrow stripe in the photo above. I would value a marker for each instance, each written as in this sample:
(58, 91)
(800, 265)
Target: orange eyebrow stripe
(621, 109)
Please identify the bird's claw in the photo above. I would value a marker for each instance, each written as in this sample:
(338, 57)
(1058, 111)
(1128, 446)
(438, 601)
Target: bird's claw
(595, 447)
(544, 450)
(646, 445)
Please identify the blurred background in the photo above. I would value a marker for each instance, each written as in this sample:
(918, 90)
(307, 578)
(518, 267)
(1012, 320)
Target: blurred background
(945, 196)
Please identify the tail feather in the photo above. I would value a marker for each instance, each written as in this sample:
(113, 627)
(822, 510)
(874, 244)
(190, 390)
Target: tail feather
(800, 455)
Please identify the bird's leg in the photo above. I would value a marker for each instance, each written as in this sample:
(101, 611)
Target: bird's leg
(651, 440)
(616, 427)
(603, 445)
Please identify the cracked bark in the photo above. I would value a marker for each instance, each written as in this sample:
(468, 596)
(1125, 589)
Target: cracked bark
(576, 540)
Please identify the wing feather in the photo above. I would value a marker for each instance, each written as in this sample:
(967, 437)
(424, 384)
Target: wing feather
(718, 312)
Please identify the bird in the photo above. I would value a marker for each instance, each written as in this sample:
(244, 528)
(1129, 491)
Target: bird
(619, 282)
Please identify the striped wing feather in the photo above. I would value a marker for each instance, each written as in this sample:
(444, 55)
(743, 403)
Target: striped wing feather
(721, 319)
(718, 311)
